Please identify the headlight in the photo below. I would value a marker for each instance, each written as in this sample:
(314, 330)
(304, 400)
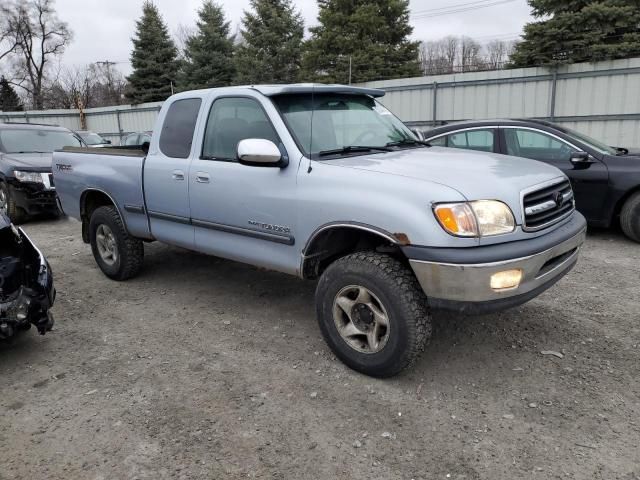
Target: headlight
(34, 177)
(481, 218)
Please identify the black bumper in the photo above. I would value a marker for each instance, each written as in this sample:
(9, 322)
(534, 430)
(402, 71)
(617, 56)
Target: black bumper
(33, 198)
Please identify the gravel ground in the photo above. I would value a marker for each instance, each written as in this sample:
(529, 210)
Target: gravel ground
(205, 368)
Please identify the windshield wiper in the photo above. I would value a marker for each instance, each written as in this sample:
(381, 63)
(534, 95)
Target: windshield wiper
(408, 141)
(352, 149)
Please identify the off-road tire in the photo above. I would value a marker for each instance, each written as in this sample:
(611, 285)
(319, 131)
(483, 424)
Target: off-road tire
(16, 214)
(397, 288)
(630, 217)
(130, 250)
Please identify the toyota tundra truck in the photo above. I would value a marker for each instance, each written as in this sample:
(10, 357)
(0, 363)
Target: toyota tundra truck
(323, 182)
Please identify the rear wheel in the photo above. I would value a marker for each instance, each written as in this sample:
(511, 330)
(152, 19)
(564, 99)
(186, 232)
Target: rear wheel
(118, 254)
(630, 217)
(8, 206)
(373, 313)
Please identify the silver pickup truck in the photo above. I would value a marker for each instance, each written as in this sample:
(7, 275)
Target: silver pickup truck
(323, 182)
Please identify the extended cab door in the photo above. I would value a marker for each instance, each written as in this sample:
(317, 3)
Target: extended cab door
(590, 182)
(166, 172)
(245, 213)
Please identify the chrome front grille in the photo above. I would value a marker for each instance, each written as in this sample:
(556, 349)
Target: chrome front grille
(547, 205)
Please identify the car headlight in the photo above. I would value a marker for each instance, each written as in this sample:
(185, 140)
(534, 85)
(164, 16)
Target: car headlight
(33, 177)
(481, 218)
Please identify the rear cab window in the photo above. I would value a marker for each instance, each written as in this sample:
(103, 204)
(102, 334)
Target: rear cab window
(179, 126)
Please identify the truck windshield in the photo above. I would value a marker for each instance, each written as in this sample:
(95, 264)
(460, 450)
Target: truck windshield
(327, 124)
(30, 140)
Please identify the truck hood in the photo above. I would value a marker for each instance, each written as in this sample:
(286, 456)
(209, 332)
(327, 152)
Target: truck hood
(476, 175)
(29, 161)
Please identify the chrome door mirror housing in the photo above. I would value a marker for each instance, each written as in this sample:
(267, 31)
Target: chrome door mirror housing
(259, 152)
(578, 158)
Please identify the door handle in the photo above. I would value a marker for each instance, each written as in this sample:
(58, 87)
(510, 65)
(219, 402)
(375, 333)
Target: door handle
(178, 175)
(202, 177)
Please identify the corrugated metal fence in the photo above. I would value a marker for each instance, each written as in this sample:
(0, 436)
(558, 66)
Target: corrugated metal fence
(112, 123)
(599, 99)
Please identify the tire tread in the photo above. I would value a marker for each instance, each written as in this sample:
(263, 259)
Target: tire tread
(630, 217)
(412, 300)
(15, 213)
(132, 249)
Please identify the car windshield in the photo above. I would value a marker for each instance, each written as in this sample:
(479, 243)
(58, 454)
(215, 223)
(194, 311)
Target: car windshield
(91, 138)
(595, 144)
(341, 124)
(36, 141)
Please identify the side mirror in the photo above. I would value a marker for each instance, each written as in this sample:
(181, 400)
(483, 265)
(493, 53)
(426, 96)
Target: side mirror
(580, 158)
(108, 142)
(259, 152)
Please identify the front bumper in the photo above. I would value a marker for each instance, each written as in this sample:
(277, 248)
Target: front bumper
(34, 198)
(466, 286)
(32, 303)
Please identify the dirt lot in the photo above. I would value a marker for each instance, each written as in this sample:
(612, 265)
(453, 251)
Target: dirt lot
(204, 368)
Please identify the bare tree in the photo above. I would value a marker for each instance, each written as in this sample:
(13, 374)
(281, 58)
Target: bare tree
(470, 55)
(95, 85)
(464, 54)
(496, 54)
(8, 31)
(181, 35)
(109, 85)
(41, 37)
(450, 47)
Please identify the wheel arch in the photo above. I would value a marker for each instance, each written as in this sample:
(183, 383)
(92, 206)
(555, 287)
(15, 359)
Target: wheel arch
(334, 240)
(621, 201)
(90, 200)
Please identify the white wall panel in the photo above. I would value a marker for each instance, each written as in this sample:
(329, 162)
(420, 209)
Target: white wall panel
(605, 94)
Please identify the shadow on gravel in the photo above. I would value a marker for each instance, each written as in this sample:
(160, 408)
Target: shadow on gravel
(19, 348)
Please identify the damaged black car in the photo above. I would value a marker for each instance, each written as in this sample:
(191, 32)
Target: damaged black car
(26, 283)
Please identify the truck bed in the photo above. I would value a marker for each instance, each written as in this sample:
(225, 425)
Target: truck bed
(116, 172)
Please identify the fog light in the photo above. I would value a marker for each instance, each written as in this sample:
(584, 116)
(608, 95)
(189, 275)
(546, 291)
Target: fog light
(22, 310)
(506, 279)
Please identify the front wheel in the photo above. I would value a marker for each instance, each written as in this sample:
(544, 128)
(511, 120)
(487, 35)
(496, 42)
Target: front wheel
(8, 206)
(630, 217)
(118, 254)
(373, 313)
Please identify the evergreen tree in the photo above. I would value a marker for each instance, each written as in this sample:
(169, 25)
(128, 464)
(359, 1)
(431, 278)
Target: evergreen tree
(370, 38)
(579, 31)
(154, 59)
(9, 99)
(209, 52)
(271, 47)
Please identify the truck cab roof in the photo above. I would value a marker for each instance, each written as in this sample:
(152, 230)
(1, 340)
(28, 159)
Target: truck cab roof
(292, 89)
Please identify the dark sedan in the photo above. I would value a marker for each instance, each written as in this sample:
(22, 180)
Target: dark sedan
(605, 180)
(26, 180)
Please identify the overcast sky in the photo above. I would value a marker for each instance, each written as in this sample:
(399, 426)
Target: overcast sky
(103, 28)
